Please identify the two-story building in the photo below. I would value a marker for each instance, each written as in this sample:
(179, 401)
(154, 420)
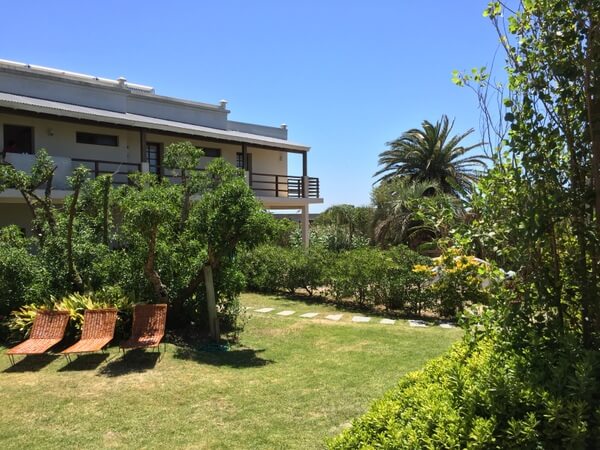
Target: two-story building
(117, 127)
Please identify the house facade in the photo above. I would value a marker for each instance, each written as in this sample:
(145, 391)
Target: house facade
(117, 127)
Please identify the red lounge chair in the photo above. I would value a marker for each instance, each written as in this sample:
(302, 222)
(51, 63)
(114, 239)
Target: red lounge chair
(148, 326)
(48, 330)
(98, 330)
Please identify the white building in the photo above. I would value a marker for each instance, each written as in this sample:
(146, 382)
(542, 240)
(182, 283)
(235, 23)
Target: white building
(113, 126)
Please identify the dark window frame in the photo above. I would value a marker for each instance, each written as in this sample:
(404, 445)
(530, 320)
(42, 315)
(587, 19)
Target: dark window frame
(105, 140)
(216, 152)
(31, 144)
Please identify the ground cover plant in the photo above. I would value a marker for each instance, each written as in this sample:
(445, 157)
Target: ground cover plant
(290, 383)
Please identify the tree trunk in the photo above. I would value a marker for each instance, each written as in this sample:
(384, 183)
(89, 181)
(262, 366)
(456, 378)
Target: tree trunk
(592, 87)
(105, 195)
(74, 276)
(211, 303)
(160, 290)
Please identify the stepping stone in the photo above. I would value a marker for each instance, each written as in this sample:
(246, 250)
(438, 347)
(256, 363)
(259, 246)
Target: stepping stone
(447, 325)
(361, 319)
(264, 310)
(387, 321)
(334, 317)
(417, 323)
(286, 313)
(309, 315)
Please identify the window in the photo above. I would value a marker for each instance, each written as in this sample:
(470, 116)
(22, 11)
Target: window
(97, 139)
(212, 152)
(239, 161)
(18, 139)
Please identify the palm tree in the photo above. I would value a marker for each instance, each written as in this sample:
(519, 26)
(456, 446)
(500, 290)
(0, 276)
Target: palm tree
(431, 154)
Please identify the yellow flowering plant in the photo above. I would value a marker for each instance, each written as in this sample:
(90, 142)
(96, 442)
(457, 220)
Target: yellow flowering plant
(457, 280)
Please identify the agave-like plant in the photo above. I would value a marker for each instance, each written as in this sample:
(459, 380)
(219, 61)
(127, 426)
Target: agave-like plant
(432, 154)
(412, 213)
(75, 304)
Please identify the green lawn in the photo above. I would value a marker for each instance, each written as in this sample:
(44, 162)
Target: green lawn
(291, 383)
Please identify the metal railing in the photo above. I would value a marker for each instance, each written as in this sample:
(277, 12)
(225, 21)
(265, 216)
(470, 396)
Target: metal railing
(263, 184)
(120, 171)
(289, 186)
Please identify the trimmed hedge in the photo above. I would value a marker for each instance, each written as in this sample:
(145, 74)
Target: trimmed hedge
(484, 397)
(369, 276)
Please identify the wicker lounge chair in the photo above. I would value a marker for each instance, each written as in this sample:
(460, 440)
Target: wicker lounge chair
(148, 326)
(48, 330)
(98, 330)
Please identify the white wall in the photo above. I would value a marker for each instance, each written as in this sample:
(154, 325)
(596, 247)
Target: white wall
(59, 139)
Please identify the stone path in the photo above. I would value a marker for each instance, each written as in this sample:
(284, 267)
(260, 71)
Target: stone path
(361, 319)
(356, 319)
(334, 317)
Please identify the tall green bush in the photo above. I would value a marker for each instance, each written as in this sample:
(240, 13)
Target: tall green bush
(23, 279)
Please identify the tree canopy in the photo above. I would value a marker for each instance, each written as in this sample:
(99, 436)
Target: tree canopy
(432, 154)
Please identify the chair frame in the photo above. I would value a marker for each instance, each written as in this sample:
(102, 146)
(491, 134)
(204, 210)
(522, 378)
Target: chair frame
(98, 325)
(149, 321)
(49, 326)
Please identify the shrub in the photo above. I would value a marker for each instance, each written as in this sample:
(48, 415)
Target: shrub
(486, 396)
(271, 268)
(458, 280)
(401, 287)
(357, 273)
(23, 279)
(264, 267)
(365, 275)
(304, 269)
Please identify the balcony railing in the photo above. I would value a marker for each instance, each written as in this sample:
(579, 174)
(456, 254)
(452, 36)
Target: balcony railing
(263, 184)
(120, 171)
(290, 186)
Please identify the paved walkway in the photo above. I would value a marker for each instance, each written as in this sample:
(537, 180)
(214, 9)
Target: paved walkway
(339, 316)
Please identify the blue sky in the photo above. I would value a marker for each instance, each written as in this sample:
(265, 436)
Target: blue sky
(346, 76)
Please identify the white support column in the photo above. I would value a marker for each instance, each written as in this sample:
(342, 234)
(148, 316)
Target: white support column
(305, 226)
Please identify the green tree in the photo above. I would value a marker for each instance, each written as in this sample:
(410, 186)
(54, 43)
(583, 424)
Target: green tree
(348, 222)
(432, 154)
(539, 208)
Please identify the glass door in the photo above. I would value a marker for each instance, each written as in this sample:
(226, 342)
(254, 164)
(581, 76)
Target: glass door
(153, 156)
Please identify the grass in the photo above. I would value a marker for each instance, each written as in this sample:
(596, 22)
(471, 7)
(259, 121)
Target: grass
(291, 383)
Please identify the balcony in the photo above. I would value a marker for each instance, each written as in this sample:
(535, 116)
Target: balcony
(263, 184)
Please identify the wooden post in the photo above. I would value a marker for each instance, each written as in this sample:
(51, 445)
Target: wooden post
(211, 304)
(304, 164)
(244, 156)
(143, 150)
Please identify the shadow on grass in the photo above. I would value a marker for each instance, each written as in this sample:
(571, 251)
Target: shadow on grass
(235, 358)
(133, 361)
(84, 362)
(32, 363)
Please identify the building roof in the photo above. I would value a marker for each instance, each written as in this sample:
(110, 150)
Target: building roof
(55, 108)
